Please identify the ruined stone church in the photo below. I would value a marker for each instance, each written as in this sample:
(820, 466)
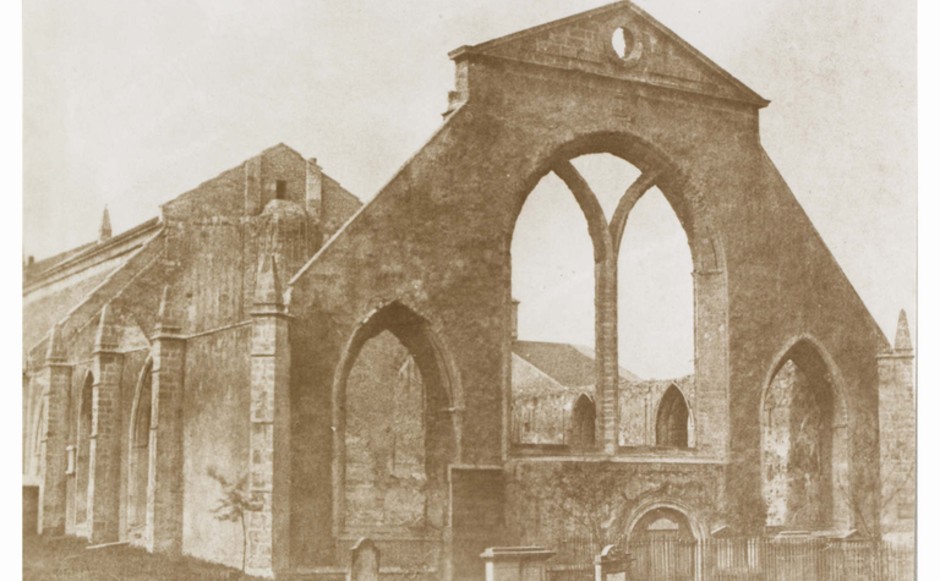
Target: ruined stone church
(358, 364)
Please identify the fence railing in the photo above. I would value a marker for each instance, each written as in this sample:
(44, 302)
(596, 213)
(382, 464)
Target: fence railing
(742, 559)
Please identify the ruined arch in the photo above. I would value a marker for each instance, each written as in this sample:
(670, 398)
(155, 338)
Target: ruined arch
(710, 296)
(804, 454)
(138, 448)
(440, 397)
(673, 420)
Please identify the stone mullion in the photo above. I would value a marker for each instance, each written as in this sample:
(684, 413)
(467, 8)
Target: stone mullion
(104, 450)
(608, 372)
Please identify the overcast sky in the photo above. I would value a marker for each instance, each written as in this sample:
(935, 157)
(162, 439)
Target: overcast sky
(130, 103)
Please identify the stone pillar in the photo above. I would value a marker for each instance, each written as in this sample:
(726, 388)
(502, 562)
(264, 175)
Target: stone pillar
(516, 563)
(164, 530)
(608, 367)
(269, 464)
(55, 377)
(104, 459)
(897, 437)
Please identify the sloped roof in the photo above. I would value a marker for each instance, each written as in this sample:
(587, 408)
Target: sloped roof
(653, 54)
(569, 365)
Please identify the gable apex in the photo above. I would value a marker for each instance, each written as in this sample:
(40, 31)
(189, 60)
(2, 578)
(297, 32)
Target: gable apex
(621, 41)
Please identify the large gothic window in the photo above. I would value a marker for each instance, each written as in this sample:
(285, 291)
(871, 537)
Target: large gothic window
(602, 276)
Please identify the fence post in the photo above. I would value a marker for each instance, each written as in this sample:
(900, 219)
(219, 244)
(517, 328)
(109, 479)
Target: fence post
(515, 563)
(364, 564)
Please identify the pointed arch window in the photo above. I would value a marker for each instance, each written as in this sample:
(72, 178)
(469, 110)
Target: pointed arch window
(395, 433)
(83, 449)
(583, 417)
(672, 420)
(139, 450)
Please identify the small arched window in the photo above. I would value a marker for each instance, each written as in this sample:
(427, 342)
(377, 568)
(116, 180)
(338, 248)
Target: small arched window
(672, 420)
(583, 416)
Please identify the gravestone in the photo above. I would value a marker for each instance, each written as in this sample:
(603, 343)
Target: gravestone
(515, 563)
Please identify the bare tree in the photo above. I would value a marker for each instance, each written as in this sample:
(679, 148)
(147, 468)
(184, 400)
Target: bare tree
(236, 500)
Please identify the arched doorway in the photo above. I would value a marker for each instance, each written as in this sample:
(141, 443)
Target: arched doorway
(396, 433)
(803, 443)
(138, 454)
(663, 545)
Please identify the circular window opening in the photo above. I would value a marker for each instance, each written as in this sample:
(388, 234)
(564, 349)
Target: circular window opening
(624, 44)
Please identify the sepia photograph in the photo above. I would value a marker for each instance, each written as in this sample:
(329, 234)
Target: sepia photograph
(535, 291)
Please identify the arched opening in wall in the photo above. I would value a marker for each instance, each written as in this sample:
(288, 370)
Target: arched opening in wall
(552, 353)
(672, 420)
(83, 450)
(138, 453)
(663, 545)
(803, 446)
(655, 294)
(583, 416)
(39, 425)
(641, 258)
(396, 437)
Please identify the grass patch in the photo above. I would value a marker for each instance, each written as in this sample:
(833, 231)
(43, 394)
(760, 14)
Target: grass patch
(67, 559)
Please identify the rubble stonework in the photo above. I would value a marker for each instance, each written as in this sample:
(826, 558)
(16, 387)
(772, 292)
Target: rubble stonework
(358, 366)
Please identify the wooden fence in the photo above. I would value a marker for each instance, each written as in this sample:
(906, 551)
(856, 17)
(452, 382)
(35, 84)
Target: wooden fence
(757, 559)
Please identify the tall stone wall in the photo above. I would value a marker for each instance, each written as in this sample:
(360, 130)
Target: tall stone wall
(215, 439)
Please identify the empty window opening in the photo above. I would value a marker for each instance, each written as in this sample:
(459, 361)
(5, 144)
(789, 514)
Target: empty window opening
(385, 455)
(396, 433)
(672, 420)
(139, 453)
(802, 447)
(583, 418)
(281, 190)
(83, 450)
(553, 319)
(655, 303)
(553, 268)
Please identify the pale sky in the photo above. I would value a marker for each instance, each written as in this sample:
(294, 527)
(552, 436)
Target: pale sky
(130, 103)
